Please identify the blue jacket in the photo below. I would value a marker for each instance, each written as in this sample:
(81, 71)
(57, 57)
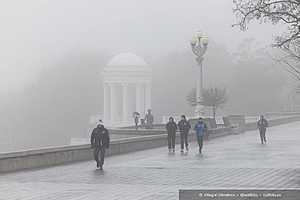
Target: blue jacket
(200, 128)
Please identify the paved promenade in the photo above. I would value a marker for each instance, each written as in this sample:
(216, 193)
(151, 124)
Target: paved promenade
(237, 161)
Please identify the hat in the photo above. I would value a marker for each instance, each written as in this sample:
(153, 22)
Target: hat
(101, 122)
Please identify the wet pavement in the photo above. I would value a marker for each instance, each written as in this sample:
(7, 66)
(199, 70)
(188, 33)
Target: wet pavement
(236, 161)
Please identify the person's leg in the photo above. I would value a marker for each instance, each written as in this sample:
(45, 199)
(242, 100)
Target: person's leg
(186, 141)
(96, 153)
(201, 144)
(173, 141)
(102, 155)
(182, 140)
(261, 136)
(264, 135)
(169, 142)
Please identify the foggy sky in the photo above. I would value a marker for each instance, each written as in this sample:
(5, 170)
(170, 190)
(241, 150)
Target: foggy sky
(36, 33)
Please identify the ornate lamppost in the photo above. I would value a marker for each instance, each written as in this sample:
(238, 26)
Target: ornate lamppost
(199, 45)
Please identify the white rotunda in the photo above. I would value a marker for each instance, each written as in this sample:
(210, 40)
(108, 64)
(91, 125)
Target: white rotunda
(127, 89)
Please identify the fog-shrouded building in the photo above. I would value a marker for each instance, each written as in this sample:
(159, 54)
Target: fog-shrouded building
(127, 81)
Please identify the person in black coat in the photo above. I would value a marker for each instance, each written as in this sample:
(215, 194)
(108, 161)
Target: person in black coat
(184, 128)
(262, 125)
(100, 142)
(171, 129)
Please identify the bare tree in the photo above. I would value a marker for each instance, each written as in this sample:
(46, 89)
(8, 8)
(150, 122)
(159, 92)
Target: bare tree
(285, 12)
(213, 98)
(274, 11)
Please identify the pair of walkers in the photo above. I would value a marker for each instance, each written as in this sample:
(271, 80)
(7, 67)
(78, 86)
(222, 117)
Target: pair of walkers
(99, 143)
(184, 128)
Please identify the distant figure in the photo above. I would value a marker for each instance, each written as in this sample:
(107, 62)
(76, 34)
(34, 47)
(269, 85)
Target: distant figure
(171, 130)
(136, 117)
(142, 123)
(149, 119)
(200, 129)
(99, 142)
(184, 128)
(262, 125)
(136, 122)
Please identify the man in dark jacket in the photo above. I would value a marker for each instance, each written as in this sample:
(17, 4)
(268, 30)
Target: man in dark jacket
(184, 128)
(171, 129)
(262, 125)
(99, 142)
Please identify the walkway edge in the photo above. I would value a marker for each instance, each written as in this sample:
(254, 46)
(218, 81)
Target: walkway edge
(47, 157)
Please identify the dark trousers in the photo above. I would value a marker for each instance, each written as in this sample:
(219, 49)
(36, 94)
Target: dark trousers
(99, 154)
(262, 133)
(184, 139)
(200, 142)
(171, 140)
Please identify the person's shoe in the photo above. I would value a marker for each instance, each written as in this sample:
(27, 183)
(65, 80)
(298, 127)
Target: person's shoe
(170, 151)
(200, 152)
(181, 151)
(173, 150)
(101, 167)
(98, 164)
(187, 149)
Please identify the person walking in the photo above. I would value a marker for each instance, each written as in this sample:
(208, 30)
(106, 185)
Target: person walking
(200, 129)
(100, 142)
(184, 128)
(171, 130)
(262, 125)
(149, 119)
(136, 119)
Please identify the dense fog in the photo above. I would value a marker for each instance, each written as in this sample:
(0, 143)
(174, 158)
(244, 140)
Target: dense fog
(52, 54)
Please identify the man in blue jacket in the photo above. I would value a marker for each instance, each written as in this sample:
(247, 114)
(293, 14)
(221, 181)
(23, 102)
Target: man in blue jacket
(200, 129)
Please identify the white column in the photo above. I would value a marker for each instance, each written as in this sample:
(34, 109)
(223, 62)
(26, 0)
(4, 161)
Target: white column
(113, 105)
(143, 99)
(105, 103)
(125, 102)
(148, 96)
(138, 99)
